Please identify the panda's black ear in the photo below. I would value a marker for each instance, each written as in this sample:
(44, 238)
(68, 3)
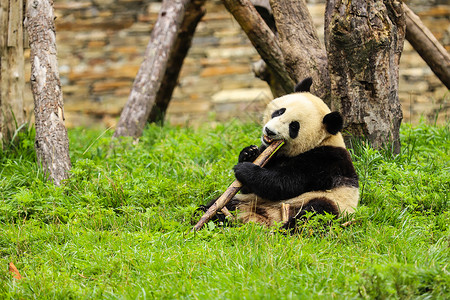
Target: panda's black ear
(304, 85)
(333, 122)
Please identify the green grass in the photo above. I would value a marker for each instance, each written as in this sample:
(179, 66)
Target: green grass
(119, 227)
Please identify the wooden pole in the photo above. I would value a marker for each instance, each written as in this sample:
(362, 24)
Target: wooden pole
(303, 53)
(428, 47)
(234, 188)
(12, 78)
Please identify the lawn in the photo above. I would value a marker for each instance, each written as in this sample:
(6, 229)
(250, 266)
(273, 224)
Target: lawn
(120, 226)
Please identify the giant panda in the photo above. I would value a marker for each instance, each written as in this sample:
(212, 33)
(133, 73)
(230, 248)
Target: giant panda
(312, 171)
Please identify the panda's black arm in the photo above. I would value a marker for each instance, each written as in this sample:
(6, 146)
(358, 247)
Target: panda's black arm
(272, 184)
(249, 153)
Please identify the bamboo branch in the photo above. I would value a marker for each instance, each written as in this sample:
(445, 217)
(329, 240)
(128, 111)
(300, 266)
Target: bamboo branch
(348, 223)
(227, 213)
(234, 188)
(285, 212)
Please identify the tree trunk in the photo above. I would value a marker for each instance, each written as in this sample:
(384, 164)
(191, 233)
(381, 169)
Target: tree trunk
(428, 47)
(364, 41)
(194, 13)
(263, 39)
(259, 67)
(151, 73)
(12, 80)
(304, 55)
(52, 144)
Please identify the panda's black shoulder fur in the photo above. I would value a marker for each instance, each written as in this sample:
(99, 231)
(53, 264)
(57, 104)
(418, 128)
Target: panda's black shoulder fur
(321, 168)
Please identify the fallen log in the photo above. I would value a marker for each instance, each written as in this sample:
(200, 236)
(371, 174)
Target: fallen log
(234, 188)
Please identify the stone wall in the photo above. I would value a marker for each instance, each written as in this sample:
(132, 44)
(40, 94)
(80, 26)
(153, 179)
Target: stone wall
(101, 45)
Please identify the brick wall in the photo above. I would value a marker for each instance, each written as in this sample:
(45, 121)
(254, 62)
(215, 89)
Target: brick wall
(101, 45)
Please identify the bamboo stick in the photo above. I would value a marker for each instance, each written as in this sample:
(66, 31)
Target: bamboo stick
(227, 213)
(285, 212)
(234, 188)
(348, 223)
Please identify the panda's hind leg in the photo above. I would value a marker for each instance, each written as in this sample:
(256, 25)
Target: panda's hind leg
(320, 205)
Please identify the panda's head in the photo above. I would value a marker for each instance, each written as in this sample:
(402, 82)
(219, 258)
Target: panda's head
(303, 121)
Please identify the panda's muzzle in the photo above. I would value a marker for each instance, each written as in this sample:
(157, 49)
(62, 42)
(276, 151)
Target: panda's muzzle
(269, 132)
(269, 136)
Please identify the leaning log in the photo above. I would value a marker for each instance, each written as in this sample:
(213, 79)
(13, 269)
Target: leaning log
(304, 55)
(148, 81)
(428, 47)
(194, 13)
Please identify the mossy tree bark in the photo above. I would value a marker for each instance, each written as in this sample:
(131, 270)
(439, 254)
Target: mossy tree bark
(52, 143)
(364, 41)
(12, 80)
(158, 74)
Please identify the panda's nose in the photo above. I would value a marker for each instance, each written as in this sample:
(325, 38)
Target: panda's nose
(269, 132)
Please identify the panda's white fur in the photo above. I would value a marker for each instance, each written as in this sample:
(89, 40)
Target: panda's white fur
(311, 111)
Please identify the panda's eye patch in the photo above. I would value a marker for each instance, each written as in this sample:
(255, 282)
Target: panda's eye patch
(278, 112)
(294, 127)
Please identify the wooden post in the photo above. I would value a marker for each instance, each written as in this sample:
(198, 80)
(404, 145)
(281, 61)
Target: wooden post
(52, 143)
(12, 81)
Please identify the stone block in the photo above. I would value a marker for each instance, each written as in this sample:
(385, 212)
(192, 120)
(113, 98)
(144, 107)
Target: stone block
(188, 107)
(242, 95)
(225, 70)
(108, 86)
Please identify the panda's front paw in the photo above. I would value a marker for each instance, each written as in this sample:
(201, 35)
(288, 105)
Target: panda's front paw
(249, 154)
(245, 171)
